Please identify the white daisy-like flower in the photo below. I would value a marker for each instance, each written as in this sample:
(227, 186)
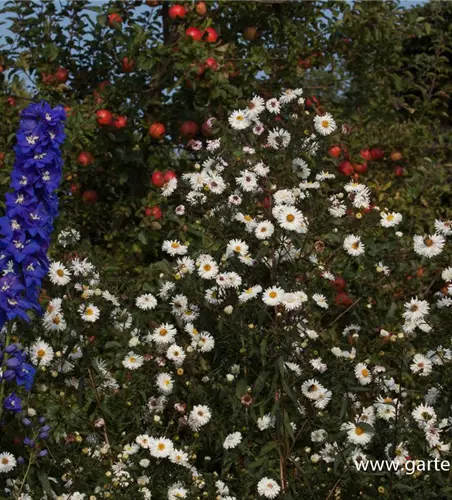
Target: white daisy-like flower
(258, 128)
(239, 119)
(89, 313)
(279, 138)
(363, 374)
(146, 302)
(319, 436)
(356, 434)
(174, 247)
(208, 269)
(250, 293)
(255, 107)
(424, 415)
(164, 334)
(301, 167)
(169, 187)
(267, 421)
(247, 180)
(179, 457)
(232, 440)
(133, 361)
(236, 247)
(59, 274)
(284, 197)
(206, 342)
(290, 218)
(429, 246)
(443, 227)
(421, 365)
(268, 488)
(293, 300)
(161, 447)
(381, 268)
(7, 462)
(325, 124)
(353, 245)
(289, 95)
(390, 219)
(446, 274)
(273, 106)
(177, 491)
(176, 354)
(199, 416)
(273, 296)
(41, 353)
(165, 383)
(264, 230)
(320, 300)
(415, 309)
(54, 322)
(312, 389)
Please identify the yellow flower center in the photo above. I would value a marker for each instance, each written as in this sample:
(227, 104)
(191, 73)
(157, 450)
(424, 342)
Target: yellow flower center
(290, 218)
(41, 353)
(365, 373)
(355, 245)
(161, 446)
(428, 242)
(60, 273)
(163, 332)
(175, 244)
(207, 267)
(359, 431)
(325, 123)
(273, 295)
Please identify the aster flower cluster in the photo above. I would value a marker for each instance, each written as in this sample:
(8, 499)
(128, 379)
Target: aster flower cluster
(30, 210)
(289, 335)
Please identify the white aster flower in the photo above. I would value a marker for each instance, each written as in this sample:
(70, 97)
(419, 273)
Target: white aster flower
(325, 124)
(353, 245)
(59, 274)
(232, 440)
(268, 488)
(146, 302)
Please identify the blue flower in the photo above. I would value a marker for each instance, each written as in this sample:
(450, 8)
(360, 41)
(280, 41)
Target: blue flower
(31, 209)
(13, 403)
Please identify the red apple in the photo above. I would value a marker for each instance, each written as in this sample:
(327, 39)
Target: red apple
(212, 35)
(128, 65)
(104, 117)
(158, 179)
(85, 159)
(365, 154)
(201, 8)
(157, 130)
(396, 156)
(360, 168)
(177, 11)
(89, 197)
(11, 101)
(169, 174)
(194, 33)
(61, 75)
(114, 18)
(335, 151)
(398, 171)
(154, 211)
(376, 154)
(120, 122)
(346, 168)
(75, 188)
(189, 129)
(312, 101)
(342, 299)
(339, 283)
(212, 63)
